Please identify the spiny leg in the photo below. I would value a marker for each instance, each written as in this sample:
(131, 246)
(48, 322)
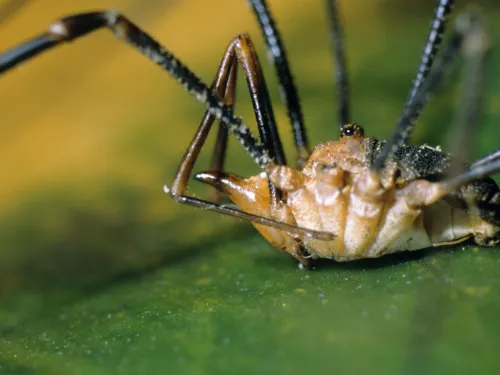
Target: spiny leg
(225, 82)
(340, 67)
(481, 195)
(290, 95)
(443, 64)
(277, 53)
(431, 48)
(419, 193)
(78, 25)
(242, 49)
(289, 92)
(413, 107)
(261, 101)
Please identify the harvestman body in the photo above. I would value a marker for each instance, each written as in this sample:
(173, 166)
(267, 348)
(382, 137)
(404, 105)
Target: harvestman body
(352, 198)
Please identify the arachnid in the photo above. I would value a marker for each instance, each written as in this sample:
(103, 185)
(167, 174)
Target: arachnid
(352, 198)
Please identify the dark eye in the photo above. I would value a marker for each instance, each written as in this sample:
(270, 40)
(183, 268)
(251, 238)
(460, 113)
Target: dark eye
(352, 130)
(348, 132)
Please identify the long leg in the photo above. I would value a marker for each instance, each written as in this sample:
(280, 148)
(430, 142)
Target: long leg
(487, 159)
(482, 197)
(219, 153)
(434, 40)
(471, 175)
(399, 134)
(475, 50)
(340, 67)
(79, 25)
(259, 94)
(289, 92)
(412, 109)
(475, 47)
(224, 82)
(76, 26)
(243, 50)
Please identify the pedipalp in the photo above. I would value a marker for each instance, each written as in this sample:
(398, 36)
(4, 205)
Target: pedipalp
(352, 198)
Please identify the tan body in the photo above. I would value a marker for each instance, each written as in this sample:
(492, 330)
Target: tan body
(337, 192)
(342, 203)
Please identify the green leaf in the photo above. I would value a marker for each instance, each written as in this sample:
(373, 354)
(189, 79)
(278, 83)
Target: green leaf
(103, 274)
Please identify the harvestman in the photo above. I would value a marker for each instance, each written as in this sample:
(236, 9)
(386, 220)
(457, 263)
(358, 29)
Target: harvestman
(348, 199)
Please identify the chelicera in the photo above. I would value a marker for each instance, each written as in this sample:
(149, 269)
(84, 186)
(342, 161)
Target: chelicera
(352, 198)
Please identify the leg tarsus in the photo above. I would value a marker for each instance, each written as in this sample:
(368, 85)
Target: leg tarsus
(209, 206)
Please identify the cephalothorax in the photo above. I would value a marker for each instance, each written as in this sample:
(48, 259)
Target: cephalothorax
(336, 191)
(348, 199)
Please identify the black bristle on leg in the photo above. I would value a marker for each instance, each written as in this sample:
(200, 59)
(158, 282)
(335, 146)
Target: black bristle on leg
(290, 96)
(340, 65)
(414, 104)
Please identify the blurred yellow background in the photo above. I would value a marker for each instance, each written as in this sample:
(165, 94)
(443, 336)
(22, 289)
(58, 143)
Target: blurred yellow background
(101, 273)
(94, 130)
(67, 113)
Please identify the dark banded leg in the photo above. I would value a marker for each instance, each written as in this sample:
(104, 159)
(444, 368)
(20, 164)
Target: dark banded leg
(242, 49)
(79, 25)
(289, 94)
(227, 90)
(479, 193)
(261, 101)
(224, 82)
(428, 86)
(412, 109)
(431, 48)
(340, 66)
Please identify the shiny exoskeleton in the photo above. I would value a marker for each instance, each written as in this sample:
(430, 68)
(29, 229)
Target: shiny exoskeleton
(348, 199)
(336, 191)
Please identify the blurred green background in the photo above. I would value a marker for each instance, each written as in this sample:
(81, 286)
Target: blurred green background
(101, 273)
